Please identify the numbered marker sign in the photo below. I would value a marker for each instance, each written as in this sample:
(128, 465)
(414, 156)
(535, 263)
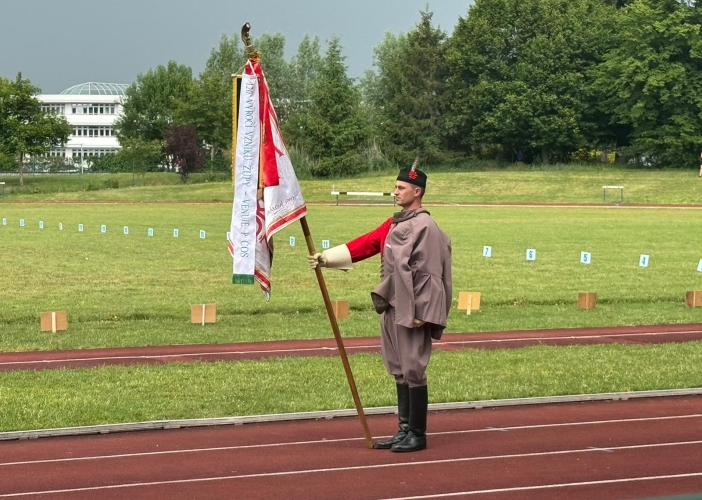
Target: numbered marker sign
(292, 241)
(699, 266)
(60, 226)
(175, 233)
(41, 224)
(325, 244)
(21, 222)
(229, 236)
(80, 228)
(150, 232)
(126, 230)
(643, 260)
(4, 222)
(585, 258)
(531, 254)
(103, 228)
(487, 251)
(202, 234)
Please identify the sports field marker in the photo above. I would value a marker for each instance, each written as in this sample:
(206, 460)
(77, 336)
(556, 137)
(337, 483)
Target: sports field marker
(21, 222)
(585, 258)
(693, 298)
(103, 228)
(587, 300)
(643, 260)
(60, 226)
(54, 321)
(531, 254)
(487, 252)
(175, 233)
(80, 228)
(470, 301)
(292, 241)
(699, 266)
(41, 224)
(126, 230)
(325, 244)
(203, 234)
(203, 313)
(341, 308)
(150, 232)
(4, 221)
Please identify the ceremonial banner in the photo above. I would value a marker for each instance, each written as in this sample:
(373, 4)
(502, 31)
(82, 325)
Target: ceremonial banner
(265, 185)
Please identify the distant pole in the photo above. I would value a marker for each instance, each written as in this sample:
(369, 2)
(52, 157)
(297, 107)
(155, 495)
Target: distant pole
(80, 175)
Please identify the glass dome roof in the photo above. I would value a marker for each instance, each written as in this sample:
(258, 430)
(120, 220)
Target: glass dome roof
(93, 88)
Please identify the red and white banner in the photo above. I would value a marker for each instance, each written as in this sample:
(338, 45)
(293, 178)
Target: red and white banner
(264, 181)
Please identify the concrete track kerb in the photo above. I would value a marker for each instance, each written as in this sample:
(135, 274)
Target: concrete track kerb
(331, 414)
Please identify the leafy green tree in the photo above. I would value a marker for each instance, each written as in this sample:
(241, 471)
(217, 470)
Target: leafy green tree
(304, 70)
(519, 75)
(152, 103)
(652, 80)
(407, 94)
(25, 130)
(137, 156)
(334, 128)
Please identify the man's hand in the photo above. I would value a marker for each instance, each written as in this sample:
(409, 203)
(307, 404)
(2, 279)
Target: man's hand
(417, 323)
(317, 259)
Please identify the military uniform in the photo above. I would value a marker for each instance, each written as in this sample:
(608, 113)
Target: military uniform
(413, 299)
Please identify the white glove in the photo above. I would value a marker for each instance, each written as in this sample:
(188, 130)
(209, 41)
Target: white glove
(337, 257)
(317, 259)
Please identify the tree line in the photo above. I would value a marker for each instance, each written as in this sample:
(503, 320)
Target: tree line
(517, 80)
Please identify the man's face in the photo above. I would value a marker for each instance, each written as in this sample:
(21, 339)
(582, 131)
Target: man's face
(405, 193)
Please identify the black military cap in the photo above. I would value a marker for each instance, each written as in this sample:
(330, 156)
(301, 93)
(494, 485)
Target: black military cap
(416, 177)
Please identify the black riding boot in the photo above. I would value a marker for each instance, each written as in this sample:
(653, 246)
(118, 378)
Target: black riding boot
(403, 410)
(416, 438)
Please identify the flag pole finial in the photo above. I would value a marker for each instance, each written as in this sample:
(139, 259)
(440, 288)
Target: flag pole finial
(246, 38)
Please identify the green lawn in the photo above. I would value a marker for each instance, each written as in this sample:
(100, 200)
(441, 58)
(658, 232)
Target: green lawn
(569, 183)
(122, 290)
(61, 398)
(128, 290)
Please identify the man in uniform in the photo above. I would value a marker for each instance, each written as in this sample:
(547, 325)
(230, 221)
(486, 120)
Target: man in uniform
(413, 298)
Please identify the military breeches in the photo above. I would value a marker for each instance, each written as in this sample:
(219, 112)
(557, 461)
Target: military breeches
(405, 351)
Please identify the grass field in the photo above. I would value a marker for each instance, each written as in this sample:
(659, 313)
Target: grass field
(571, 183)
(60, 398)
(128, 290)
(122, 290)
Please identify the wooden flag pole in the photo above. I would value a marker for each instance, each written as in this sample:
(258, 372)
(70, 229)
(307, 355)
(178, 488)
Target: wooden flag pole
(337, 335)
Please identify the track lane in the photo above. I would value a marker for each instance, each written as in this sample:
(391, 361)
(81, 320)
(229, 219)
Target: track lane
(81, 358)
(550, 444)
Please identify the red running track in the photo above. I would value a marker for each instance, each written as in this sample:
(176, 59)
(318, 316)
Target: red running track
(578, 451)
(37, 360)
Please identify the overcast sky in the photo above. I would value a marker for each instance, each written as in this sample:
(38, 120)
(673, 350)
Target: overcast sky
(60, 43)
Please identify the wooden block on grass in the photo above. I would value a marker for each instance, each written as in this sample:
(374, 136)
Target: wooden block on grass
(341, 308)
(693, 298)
(203, 313)
(466, 298)
(587, 300)
(55, 321)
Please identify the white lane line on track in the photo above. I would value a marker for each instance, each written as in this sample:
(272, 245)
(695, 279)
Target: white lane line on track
(348, 348)
(568, 337)
(344, 469)
(340, 440)
(551, 486)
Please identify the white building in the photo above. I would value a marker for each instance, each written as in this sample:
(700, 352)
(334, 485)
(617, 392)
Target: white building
(92, 109)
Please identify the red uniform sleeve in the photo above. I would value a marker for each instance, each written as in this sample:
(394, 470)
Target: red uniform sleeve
(370, 243)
